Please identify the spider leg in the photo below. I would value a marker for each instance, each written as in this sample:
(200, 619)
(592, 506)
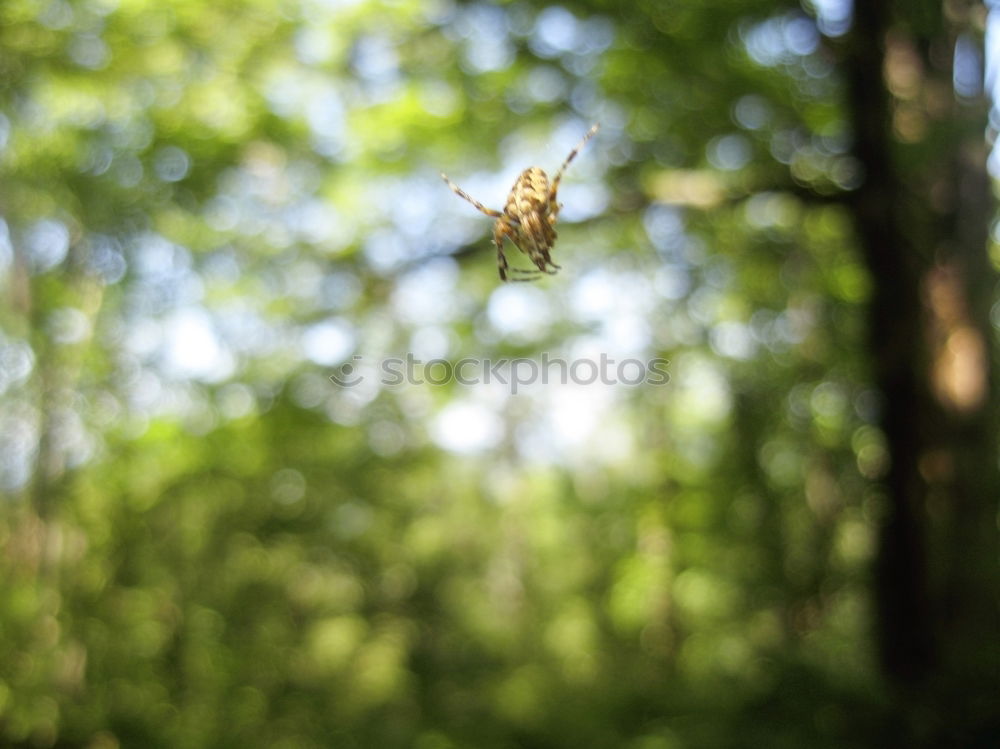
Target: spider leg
(572, 155)
(525, 274)
(499, 232)
(462, 194)
(538, 250)
(504, 267)
(548, 258)
(549, 264)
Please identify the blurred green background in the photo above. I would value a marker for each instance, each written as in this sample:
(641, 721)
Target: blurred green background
(208, 209)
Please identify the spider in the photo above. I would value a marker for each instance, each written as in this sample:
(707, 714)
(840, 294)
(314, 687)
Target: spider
(528, 219)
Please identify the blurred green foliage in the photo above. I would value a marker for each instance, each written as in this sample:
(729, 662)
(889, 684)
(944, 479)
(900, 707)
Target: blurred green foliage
(207, 209)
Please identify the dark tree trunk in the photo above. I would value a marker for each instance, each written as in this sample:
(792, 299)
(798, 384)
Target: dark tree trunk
(922, 215)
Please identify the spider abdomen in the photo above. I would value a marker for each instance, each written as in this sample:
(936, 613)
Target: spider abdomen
(530, 194)
(532, 211)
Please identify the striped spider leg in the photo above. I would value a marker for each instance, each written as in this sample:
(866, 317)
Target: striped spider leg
(529, 217)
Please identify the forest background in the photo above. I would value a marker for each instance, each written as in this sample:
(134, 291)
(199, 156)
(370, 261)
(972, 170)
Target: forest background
(222, 527)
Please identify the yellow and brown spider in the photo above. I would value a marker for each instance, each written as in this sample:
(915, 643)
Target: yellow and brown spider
(528, 219)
